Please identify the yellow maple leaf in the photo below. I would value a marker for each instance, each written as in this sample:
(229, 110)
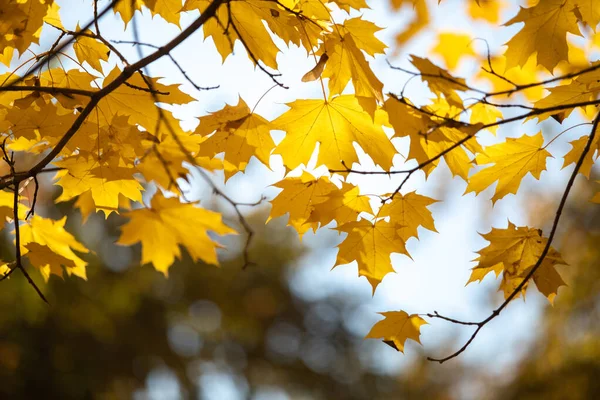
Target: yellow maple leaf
(72, 79)
(346, 61)
(137, 103)
(440, 81)
(572, 157)
(7, 201)
(429, 136)
(90, 50)
(246, 24)
(21, 25)
(166, 225)
(544, 33)
(43, 123)
(408, 212)
(346, 5)
(487, 10)
(299, 198)
(238, 133)
(396, 328)
(513, 252)
(340, 205)
(485, 114)
(106, 181)
(512, 160)
(571, 93)
(169, 10)
(58, 247)
(47, 261)
(370, 245)
(453, 47)
(335, 125)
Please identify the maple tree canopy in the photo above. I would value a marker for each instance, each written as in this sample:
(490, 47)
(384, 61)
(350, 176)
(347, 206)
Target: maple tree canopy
(77, 109)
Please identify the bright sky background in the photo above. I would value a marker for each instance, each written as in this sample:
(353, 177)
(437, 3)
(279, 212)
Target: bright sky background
(435, 279)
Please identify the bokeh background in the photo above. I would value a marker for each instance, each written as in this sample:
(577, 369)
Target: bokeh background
(289, 327)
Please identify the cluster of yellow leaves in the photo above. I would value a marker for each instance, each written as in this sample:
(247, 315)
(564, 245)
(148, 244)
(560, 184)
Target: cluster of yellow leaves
(513, 252)
(21, 25)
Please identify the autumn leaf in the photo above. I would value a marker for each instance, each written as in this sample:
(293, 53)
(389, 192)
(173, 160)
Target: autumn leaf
(512, 160)
(105, 181)
(335, 125)
(346, 61)
(340, 205)
(299, 198)
(578, 145)
(246, 25)
(440, 81)
(513, 252)
(370, 245)
(431, 137)
(544, 33)
(52, 247)
(164, 226)
(91, 50)
(453, 47)
(409, 212)
(487, 10)
(135, 101)
(396, 328)
(238, 133)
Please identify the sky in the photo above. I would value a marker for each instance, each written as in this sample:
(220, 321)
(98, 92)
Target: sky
(435, 277)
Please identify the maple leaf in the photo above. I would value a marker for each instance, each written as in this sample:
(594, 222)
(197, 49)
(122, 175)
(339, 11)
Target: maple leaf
(335, 125)
(245, 24)
(513, 252)
(452, 47)
(346, 61)
(430, 137)
(485, 114)
(346, 5)
(167, 9)
(238, 133)
(409, 211)
(578, 145)
(165, 225)
(41, 124)
(48, 262)
(71, 79)
(57, 250)
(20, 24)
(105, 181)
(299, 198)
(340, 205)
(440, 81)
(512, 160)
(544, 33)
(7, 201)
(91, 51)
(396, 328)
(135, 101)
(571, 93)
(370, 245)
(487, 10)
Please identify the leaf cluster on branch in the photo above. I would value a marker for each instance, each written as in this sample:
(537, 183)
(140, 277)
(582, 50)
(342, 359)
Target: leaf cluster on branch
(96, 119)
